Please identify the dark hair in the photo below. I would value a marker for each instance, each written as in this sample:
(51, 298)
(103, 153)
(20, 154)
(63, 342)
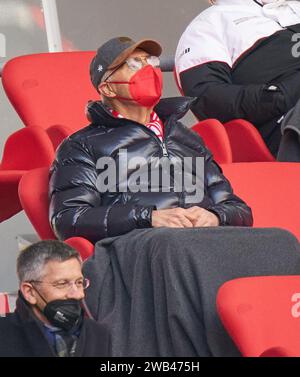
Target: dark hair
(32, 260)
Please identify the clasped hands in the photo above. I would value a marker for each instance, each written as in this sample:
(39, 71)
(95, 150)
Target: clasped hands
(184, 218)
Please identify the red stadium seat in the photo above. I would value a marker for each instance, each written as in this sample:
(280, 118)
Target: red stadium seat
(33, 193)
(216, 139)
(262, 314)
(24, 150)
(7, 303)
(4, 309)
(247, 145)
(57, 134)
(50, 88)
(271, 189)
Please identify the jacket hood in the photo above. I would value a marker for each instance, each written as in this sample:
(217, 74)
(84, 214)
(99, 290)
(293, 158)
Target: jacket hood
(167, 107)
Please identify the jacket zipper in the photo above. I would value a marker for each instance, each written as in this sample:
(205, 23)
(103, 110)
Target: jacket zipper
(162, 144)
(164, 149)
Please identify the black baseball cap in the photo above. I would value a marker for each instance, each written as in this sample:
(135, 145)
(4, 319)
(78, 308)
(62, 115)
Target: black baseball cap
(115, 51)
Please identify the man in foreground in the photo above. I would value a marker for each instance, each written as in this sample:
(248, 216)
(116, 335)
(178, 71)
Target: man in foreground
(49, 319)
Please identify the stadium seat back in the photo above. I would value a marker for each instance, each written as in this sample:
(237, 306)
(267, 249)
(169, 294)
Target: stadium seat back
(33, 193)
(271, 189)
(215, 138)
(262, 314)
(50, 88)
(26, 149)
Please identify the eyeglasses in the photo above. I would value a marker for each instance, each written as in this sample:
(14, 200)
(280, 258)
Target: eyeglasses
(66, 284)
(136, 63)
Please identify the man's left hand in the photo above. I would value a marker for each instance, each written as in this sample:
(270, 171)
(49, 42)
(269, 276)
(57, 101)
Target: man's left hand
(200, 217)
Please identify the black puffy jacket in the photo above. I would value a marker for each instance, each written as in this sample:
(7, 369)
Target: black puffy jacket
(77, 208)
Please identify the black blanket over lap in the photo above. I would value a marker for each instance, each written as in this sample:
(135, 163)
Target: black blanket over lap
(156, 288)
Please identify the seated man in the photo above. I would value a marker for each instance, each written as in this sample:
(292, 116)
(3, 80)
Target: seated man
(49, 319)
(241, 60)
(93, 202)
(165, 244)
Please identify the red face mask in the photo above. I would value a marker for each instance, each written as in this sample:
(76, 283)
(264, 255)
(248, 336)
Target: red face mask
(145, 86)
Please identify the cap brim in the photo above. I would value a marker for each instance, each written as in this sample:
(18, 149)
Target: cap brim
(150, 46)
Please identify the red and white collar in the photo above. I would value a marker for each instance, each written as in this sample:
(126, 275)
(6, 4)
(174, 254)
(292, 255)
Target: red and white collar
(155, 124)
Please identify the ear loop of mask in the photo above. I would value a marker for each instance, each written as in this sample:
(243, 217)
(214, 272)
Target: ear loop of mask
(114, 70)
(119, 82)
(40, 297)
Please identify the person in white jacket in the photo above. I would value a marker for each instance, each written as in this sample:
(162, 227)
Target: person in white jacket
(240, 58)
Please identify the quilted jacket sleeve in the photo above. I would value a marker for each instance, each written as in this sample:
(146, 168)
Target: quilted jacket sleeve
(230, 209)
(204, 69)
(76, 206)
(218, 97)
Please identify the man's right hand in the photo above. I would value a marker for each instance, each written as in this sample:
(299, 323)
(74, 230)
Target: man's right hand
(171, 218)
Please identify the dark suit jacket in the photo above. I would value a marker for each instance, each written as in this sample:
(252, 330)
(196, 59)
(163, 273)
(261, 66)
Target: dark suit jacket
(22, 335)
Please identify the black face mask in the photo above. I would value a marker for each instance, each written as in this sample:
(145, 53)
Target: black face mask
(65, 314)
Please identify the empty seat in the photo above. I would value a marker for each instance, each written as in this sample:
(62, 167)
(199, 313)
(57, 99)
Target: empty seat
(216, 139)
(50, 88)
(24, 150)
(33, 192)
(247, 145)
(262, 314)
(271, 189)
